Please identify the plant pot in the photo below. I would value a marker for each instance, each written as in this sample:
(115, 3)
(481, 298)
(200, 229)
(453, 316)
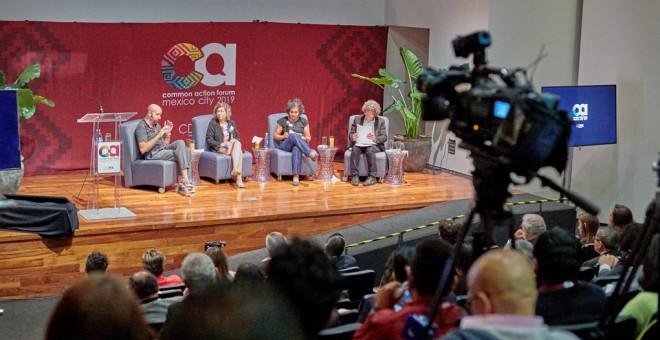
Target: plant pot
(10, 180)
(419, 152)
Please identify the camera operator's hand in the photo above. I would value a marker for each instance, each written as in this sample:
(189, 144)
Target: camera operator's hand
(388, 295)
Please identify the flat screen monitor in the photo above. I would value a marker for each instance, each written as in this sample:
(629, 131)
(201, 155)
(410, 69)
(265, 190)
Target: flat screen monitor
(10, 146)
(592, 109)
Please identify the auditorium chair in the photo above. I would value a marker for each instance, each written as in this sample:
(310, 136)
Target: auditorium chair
(622, 328)
(343, 332)
(358, 284)
(213, 165)
(280, 161)
(363, 169)
(137, 171)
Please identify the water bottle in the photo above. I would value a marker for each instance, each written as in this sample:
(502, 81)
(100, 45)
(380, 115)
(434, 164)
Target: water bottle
(98, 137)
(266, 143)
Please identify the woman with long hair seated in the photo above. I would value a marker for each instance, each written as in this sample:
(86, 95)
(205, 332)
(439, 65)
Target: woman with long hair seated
(222, 137)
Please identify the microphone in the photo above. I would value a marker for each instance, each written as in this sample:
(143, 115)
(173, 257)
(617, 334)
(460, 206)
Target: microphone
(100, 105)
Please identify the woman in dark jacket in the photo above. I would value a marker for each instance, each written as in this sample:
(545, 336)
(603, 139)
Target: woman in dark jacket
(222, 137)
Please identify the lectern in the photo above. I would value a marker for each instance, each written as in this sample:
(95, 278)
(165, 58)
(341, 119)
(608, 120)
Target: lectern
(105, 158)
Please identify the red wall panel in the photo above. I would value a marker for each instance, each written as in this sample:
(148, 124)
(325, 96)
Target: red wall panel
(121, 65)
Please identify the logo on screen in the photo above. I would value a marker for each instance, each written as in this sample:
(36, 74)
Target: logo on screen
(580, 114)
(201, 74)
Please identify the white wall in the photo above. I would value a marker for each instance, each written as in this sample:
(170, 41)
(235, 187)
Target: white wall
(620, 45)
(519, 29)
(445, 19)
(344, 12)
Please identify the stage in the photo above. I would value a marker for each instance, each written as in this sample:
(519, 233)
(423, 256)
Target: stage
(32, 266)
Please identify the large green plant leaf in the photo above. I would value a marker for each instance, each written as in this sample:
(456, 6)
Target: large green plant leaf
(378, 81)
(411, 62)
(26, 105)
(31, 72)
(2, 79)
(45, 101)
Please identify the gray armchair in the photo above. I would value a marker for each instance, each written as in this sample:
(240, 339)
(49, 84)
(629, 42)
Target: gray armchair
(381, 157)
(280, 161)
(215, 165)
(139, 171)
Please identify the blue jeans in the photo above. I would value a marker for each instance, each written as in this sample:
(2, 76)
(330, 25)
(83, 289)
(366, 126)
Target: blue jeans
(297, 147)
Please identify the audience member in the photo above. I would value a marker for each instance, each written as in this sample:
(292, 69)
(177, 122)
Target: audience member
(606, 242)
(374, 142)
(248, 273)
(619, 217)
(199, 273)
(200, 277)
(145, 287)
(274, 241)
(562, 298)
(304, 275)
(531, 228)
(524, 247)
(98, 307)
(396, 263)
(587, 228)
(234, 312)
(334, 248)
(449, 230)
(395, 270)
(154, 143)
(613, 265)
(502, 297)
(292, 134)
(220, 262)
(153, 261)
(645, 304)
(426, 267)
(96, 263)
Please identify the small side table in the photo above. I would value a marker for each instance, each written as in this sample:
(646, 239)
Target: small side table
(395, 167)
(326, 159)
(262, 165)
(194, 167)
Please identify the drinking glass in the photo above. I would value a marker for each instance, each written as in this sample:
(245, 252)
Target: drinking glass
(324, 141)
(332, 141)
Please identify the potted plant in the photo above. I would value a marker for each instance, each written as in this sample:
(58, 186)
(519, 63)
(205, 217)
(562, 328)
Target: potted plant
(408, 103)
(10, 180)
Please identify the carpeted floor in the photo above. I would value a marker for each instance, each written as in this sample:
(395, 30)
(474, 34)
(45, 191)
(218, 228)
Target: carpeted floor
(26, 319)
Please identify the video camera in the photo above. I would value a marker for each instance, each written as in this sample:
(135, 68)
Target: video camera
(496, 112)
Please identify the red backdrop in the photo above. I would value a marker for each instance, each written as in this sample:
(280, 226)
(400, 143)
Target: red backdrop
(121, 65)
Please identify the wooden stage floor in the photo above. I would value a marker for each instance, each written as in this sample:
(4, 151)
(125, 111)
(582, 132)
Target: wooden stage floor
(32, 266)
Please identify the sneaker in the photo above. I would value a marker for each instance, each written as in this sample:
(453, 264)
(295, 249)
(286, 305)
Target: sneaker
(313, 155)
(355, 181)
(296, 181)
(189, 186)
(239, 183)
(181, 188)
(371, 180)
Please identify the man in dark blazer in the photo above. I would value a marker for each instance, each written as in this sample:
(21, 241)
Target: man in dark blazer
(373, 143)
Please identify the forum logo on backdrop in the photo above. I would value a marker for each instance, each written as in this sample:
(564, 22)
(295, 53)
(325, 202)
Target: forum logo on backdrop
(201, 74)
